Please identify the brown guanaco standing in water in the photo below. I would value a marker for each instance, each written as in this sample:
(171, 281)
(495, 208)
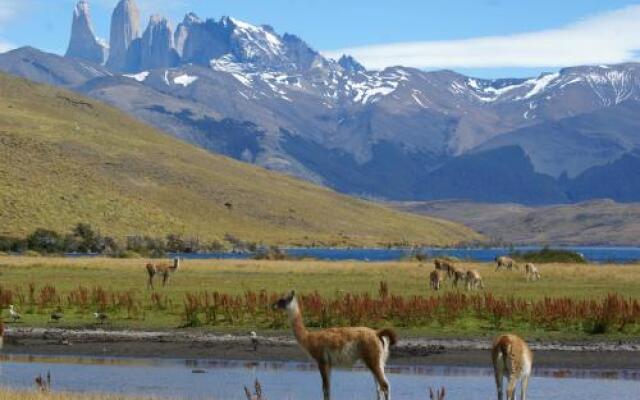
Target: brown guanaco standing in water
(512, 359)
(341, 346)
(163, 269)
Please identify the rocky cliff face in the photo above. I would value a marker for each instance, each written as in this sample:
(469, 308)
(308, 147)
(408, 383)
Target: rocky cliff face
(125, 29)
(156, 47)
(83, 43)
(182, 32)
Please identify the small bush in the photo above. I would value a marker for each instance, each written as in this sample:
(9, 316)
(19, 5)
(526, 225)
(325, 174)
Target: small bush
(548, 255)
(271, 253)
(45, 241)
(128, 254)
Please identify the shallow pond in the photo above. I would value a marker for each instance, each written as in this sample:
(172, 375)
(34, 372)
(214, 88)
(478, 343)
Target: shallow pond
(190, 379)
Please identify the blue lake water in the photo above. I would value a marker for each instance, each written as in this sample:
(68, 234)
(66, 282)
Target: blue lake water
(592, 254)
(175, 379)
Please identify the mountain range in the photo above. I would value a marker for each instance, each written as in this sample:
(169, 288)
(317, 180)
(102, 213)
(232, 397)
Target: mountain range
(270, 99)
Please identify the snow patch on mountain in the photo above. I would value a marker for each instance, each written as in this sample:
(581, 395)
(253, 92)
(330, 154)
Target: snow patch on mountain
(236, 70)
(256, 42)
(539, 84)
(184, 80)
(140, 77)
(371, 87)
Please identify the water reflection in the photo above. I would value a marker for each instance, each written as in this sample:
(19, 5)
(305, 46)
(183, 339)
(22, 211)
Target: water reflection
(202, 379)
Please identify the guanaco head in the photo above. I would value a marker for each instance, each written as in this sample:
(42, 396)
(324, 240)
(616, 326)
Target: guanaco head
(286, 303)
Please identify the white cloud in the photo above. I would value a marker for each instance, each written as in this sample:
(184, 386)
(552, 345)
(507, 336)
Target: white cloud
(8, 9)
(4, 46)
(611, 37)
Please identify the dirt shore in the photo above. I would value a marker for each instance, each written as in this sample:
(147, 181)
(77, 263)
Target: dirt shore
(415, 351)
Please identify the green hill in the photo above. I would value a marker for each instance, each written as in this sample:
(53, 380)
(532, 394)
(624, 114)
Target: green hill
(66, 159)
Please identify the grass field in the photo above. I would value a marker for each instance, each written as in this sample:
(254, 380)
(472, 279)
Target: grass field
(66, 159)
(7, 394)
(119, 287)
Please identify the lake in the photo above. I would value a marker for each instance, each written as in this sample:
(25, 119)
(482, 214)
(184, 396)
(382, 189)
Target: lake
(593, 254)
(297, 381)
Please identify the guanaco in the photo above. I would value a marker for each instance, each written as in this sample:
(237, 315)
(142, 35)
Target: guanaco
(1, 334)
(512, 359)
(459, 275)
(506, 262)
(341, 346)
(474, 280)
(531, 272)
(164, 269)
(444, 266)
(436, 277)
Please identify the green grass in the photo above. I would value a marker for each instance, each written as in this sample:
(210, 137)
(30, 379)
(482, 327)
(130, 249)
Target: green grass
(65, 159)
(330, 279)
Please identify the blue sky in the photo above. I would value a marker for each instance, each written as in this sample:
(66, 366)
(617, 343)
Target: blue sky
(484, 38)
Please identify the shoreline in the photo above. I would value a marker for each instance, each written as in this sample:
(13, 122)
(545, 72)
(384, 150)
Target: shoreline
(281, 348)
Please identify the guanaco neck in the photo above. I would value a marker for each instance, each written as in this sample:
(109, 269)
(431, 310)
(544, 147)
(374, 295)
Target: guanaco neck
(297, 323)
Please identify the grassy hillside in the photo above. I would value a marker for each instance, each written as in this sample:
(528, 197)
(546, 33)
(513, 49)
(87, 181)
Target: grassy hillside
(66, 159)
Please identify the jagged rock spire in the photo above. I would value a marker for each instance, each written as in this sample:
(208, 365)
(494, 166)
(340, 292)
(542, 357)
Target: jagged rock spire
(83, 43)
(157, 49)
(183, 30)
(350, 64)
(125, 29)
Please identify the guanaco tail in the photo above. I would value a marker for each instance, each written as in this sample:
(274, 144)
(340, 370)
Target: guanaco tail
(512, 359)
(341, 346)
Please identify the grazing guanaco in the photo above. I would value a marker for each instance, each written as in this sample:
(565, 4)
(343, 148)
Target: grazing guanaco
(445, 266)
(474, 280)
(506, 262)
(531, 272)
(512, 359)
(436, 277)
(161, 268)
(459, 275)
(341, 346)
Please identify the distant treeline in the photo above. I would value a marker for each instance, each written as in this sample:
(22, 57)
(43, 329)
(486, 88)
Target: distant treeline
(547, 255)
(84, 239)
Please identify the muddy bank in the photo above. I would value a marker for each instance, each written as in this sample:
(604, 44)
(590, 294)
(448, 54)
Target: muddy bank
(186, 345)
